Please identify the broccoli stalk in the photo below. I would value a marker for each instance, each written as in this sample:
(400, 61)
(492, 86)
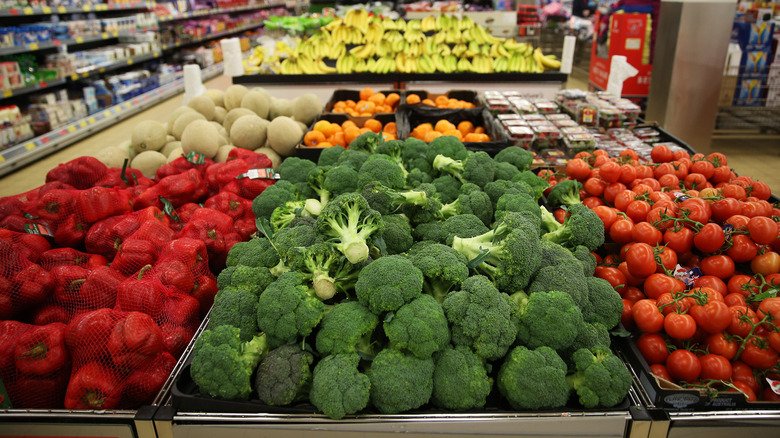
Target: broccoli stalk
(446, 164)
(387, 201)
(478, 168)
(284, 214)
(601, 378)
(317, 183)
(566, 192)
(350, 223)
(324, 266)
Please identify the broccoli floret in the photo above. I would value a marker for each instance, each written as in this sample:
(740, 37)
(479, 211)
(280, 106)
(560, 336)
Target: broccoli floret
(604, 304)
(518, 157)
(447, 188)
(429, 212)
(518, 203)
(303, 220)
(601, 378)
(350, 223)
(547, 319)
(255, 252)
(253, 280)
(505, 171)
(566, 192)
(235, 307)
(460, 381)
(354, 158)
(316, 182)
(463, 226)
(381, 171)
(442, 267)
(325, 267)
(496, 189)
(388, 283)
(481, 318)
(476, 203)
(296, 170)
(387, 201)
(284, 375)
(417, 177)
(590, 336)
(400, 382)
(478, 168)
(554, 254)
(448, 146)
(222, 365)
(509, 253)
(286, 239)
(414, 148)
(341, 179)
(338, 388)
(287, 212)
(564, 277)
(587, 259)
(428, 232)
(397, 233)
(366, 142)
(583, 227)
(537, 184)
(347, 328)
(533, 379)
(273, 196)
(330, 156)
(288, 309)
(394, 150)
(418, 327)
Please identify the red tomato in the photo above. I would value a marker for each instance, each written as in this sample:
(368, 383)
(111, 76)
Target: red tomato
(681, 155)
(594, 186)
(612, 190)
(695, 181)
(577, 169)
(740, 372)
(715, 283)
(763, 230)
(720, 266)
(622, 231)
(712, 317)
(653, 348)
(630, 154)
(609, 172)
(710, 238)
(769, 395)
(637, 210)
(766, 264)
(758, 355)
(683, 365)
(717, 343)
(680, 241)
(738, 221)
(743, 284)
(641, 260)
(698, 209)
(626, 317)
(592, 202)
(743, 248)
(760, 190)
(560, 215)
(679, 325)
(627, 174)
(647, 316)
(735, 299)
(721, 174)
(739, 327)
(668, 181)
(608, 215)
(664, 169)
(661, 154)
(769, 306)
(631, 280)
(723, 209)
(774, 340)
(624, 198)
(632, 293)
(743, 387)
(613, 276)
(734, 191)
(659, 218)
(718, 159)
(703, 167)
(715, 367)
(645, 233)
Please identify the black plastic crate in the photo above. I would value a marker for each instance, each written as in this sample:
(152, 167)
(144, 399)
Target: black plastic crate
(313, 153)
(343, 94)
(465, 95)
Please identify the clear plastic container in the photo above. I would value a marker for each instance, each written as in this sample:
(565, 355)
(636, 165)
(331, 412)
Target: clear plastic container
(498, 106)
(568, 123)
(610, 118)
(587, 114)
(546, 107)
(579, 142)
(521, 136)
(508, 116)
(510, 123)
(546, 136)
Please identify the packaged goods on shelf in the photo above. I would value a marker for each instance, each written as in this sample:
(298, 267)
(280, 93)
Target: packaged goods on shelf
(14, 127)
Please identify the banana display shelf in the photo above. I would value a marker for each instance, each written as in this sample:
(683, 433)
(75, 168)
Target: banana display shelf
(399, 78)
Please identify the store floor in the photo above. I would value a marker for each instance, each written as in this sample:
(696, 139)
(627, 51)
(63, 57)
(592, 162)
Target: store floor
(757, 158)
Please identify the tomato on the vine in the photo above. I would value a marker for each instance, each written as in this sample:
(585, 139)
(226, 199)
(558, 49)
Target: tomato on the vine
(709, 238)
(683, 365)
(679, 325)
(667, 257)
(715, 367)
(760, 190)
(758, 354)
(734, 191)
(743, 387)
(712, 282)
(712, 317)
(577, 169)
(608, 215)
(612, 190)
(697, 210)
(763, 230)
(743, 284)
(766, 264)
(681, 241)
(743, 249)
(703, 167)
(613, 276)
(640, 260)
(637, 210)
(723, 209)
(647, 316)
(609, 172)
(627, 174)
(740, 372)
(742, 320)
(660, 371)
(653, 348)
(734, 300)
(720, 266)
(594, 186)
(661, 154)
(718, 343)
(646, 233)
(621, 231)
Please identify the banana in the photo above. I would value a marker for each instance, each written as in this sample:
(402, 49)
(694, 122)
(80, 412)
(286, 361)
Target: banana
(538, 60)
(439, 37)
(428, 24)
(413, 25)
(371, 65)
(360, 66)
(400, 61)
(324, 68)
(549, 61)
(437, 63)
(388, 24)
(464, 65)
(333, 24)
(400, 24)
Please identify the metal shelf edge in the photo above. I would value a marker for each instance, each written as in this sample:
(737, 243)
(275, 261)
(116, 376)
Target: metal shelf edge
(209, 12)
(57, 10)
(210, 37)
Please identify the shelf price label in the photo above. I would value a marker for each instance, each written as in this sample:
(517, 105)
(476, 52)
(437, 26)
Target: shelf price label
(46, 10)
(71, 128)
(62, 9)
(82, 124)
(87, 8)
(29, 146)
(28, 11)
(127, 105)
(33, 46)
(2, 158)
(106, 113)
(130, 61)
(79, 40)
(8, 93)
(91, 120)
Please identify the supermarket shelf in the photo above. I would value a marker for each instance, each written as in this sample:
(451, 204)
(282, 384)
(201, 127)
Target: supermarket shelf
(57, 43)
(31, 150)
(14, 92)
(207, 12)
(211, 37)
(56, 10)
(336, 78)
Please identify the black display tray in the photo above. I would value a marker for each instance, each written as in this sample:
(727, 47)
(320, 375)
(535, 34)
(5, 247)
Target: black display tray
(343, 94)
(470, 96)
(313, 153)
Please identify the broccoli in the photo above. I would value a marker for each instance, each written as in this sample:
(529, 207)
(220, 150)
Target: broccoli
(478, 168)
(547, 319)
(288, 308)
(414, 148)
(296, 170)
(388, 283)
(481, 318)
(417, 177)
(387, 201)
(468, 188)
(590, 336)
(330, 156)
(476, 203)
(325, 267)
(397, 234)
(337, 387)
(538, 185)
(566, 192)
(463, 225)
(448, 146)
(316, 180)
(400, 382)
(366, 142)
(519, 203)
(460, 381)
(273, 196)
(564, 277)
(601, 378)
(347, 328)
(284, 375)
(254, 280)
(429, 212)
(385, 172)
(418, 327)
(587, 259)
(442, 267)
(303, 220)
(303, 235)
(256, 252)
(533, 379)
(235, 307)
(428, 232)
(222, 365)
(447, 188)
(583, 227)
(350, 223)
(604, 304)
(505, 171)
(285, 213)
(496, 189)
(554, 254)
(341, 179)
(518, 157)
(354, 158)
(394, 150)
(509, 253)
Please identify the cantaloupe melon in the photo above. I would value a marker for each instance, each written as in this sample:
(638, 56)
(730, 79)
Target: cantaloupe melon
(216, 96)
(222, 153)
(112, 156)
(233, 96)
(233, 115)
(184, 120)
(275, 158)
(283, 135)
(257, 101)
(175, 115)
(219, 114)
(148, 135)
(176, 153)
(148, 162)
(248, 132)
(306, 107)
(202, 137)
(280, 107)
(204, 105)
(170, 146)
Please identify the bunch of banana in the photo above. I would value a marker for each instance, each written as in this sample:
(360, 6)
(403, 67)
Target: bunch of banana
(365, 51)
(413, 25)
(346, 64)
(357, 18)
(332, 25)
(337, 50)
(374, 33)
(425, 64)
(547, 61)
(400, 24)
(307, 49)
(445, 63)
(384, 48)
(360, 66)
(414, 50)
(497, 50)
(255, 58)
(383, 65)
(393, 36)
(464, 65)
(525, 49)
(459, 49)
(414, 36)
(399, 46)
(465, 23)
(443, 49)
(501, 65)
(388, 24)
(370, 65)
(519, 63)
(348, 35)
(290, 67)
(430, 47)
(428, 24)
(444, 22)
(405, 64)
(472, 50)
(482, 64)
(452, 36)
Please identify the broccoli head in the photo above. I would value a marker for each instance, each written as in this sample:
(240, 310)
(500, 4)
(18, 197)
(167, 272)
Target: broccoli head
(347, 328)
(518, 157)
(273, 196)
(448, 146)
(518, 203)
(533, 379)
(460, 380)
(428, 232)
(538, 185)
(400, 382)
(563, 277)
(222, 365)
(325, 267)
(350, 223)
(587, 259)
(383, 171)
(284, 375)
(366, 142)
(554, 254)
(397, 234)
(424, 212)
(341, 179)
(583, 227)
(505, 171)
(590, 336)
(566, 192)
(253, 280)
(330, 156)
(601, 378)
(478, 168)
(354, 158)
(295, 236)
(296, 170)
(442, 267)
(475, 203)
(417, 177)
(387, 201)
(235, 307)
(496, 189)
(256, 252)
(481, 318)
(547, 319)
(284, 214)
(604, 304)
(447, 188)
(288, 309)
(418, 327)
(464, 226)
(337, 387)
(388, 283)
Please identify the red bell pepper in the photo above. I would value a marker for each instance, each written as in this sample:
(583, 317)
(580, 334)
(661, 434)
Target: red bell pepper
(181, 165)
(133, 178)
(31, 246)
(33, 285)
(38, 392)
(176, 338)
(156, 232)
(16, 222)
(142, 293)
(7, 306)
(134, 340)
(93, 386)
(49, 314)
(174, 273)
(41, 350)
(99, 290)
(99, 202)
(204, 291)
(133, 255)
(9, 336)
(82, 173)
(220, 174)
(248, 188)
(213, 238)
(143, 384)
(101, 237)
(252, 159)
(11, 260)
(192, 252)
(87, 334)
(71, 231)
(178, 189)
(229, 203)
(185, 211)
(181, 309)
(69, 256)
(245, 227)
(10, 205)
(68, 281)
(56, 204)
(219, 220)
(51, 185)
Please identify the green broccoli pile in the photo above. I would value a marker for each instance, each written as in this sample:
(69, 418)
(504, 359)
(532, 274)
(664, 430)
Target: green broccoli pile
(399, 276)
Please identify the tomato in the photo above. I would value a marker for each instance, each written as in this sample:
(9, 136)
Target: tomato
(718, 343)
(659, 370)
(608, 215)
(758, 355)
(712, 317)
(743, 387)
(718, 159)
(743, 248)
(627, 174)
(668, 258)
(769, 395)
(738, 221)
(763, 230)
(734, 191)
(647, 316)
(653, 348)
(631, 280)
(630, 154)
(659, 219)
(609, 172)
(680, 169)
(765, 264)
(711, 294)
(735, 299)
(637, 210)
(594, 186)
(709, 192)
(721, 174)
(743, 284)
(679, 325)
(740, 372)
(709, 238)
(697, 209)
(622, 231)
(592, 202)
(738, 326)
(641, 260)
(663, 169)
(681, 155)
(723, 209)
(760, 190)
(661, 154)
(626, 317)
(668, 181)
(680, 241)
(695, 181)
(613, 276)
(612, 190)
(658, 283)
(751, 209)
(683, 365)
(561, 215)
(632, 293)
(643, 232)
(661, 200)
(577, 169)
(624, 198)
(720, 266)
(769, 306)
(715, 367)
(774, 340)
(705, 168)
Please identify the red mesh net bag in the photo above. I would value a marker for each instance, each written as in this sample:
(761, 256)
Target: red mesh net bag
(133, 178)
(78, 289)
(183, 164)
(215, 229)
(81, 173)
(31, 246)
(69, 256)
(23, 284)
(177, 189)
(34, 364)
(106, 236)
(238, 208)
(234, 174)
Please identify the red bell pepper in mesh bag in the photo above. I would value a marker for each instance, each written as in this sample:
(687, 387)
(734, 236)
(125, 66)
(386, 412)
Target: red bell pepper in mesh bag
(181, 309)
(181, 165)
(31, 246)
(234, 174)
(94, 386)
(143, 384)
(177, 189)
(81, 173)
(133, 255)
(87, 333)
(105, 236)
(176, 338)
(97, 203)
(41, 351)
(68, 257)
(193, 256)
(32, 286)
(229, 203)
(9, 335)
(142, 293)
(68, 282)
(133, 178)
(38, 392)
(185, 212)
(49, 314)
(135, 339)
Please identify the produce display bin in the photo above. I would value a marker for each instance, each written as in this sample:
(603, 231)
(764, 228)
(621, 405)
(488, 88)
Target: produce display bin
(67, 423)
(342, 94)
(313, 153)
(470, 96)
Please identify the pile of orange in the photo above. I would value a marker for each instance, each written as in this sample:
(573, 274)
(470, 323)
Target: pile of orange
(325, 134)
(440, 101)
(369, 104)
(465, 131)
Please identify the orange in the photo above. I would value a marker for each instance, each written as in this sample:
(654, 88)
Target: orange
(476, 138)
(339, 106)
(391, 128)
(339, 139)
(335, 127)
(373, 124)
(324, 127)
(392, 99)
(428, 102)
(454, 133)
(352, 112)
(423, 129)
(365, 106)
(350, 134)
(430, 136)
(441, 100)
(465, 127)
(412, 98)
(479, 130)
(378, 99)
(349, 103)
(313, 138)
(366, 93)
(443, 125)
(325, 144)
(386, 109)
(348, 124)
(386, 136)
(363, 130)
